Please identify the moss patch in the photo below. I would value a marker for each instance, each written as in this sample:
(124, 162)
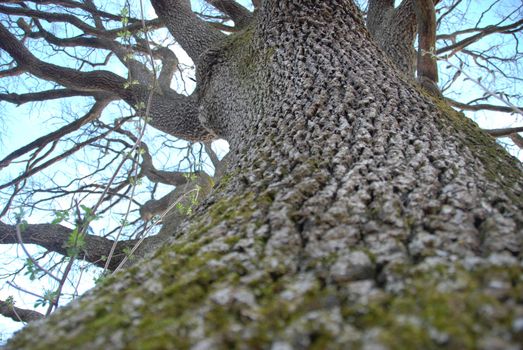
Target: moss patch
(447, 307)
(499, 165)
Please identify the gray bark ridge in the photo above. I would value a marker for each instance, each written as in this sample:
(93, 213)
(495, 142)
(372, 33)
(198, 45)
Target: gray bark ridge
(394, 30)
(356, 212)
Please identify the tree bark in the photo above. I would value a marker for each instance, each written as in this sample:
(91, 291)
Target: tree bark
(18, 314)
(356, 212)
(394, 30)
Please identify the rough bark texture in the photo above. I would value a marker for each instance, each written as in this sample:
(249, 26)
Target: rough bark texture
(394, 30)
(356, 212)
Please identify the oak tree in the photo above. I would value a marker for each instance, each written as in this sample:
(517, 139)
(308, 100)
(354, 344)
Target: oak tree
(356, 208)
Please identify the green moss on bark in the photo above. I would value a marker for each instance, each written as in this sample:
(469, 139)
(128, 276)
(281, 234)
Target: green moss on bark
(499, 165)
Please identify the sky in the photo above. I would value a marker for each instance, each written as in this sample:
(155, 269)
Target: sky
(20, 125)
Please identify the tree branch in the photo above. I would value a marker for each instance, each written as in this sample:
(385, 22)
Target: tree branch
(54, 238)
(137, 69)
(482, 106)
(175, 178)
(504, 132)
(51, 17)
(35, 169)
(517, 139)
(394, 30)
(483, 32)
(427, 69)
(194, 35)
(212, 155)
(17, 314)
(239, 14)
(71, 78)
(93, 113)
(85, 6)
(169, 66)
(11, 72)
(171, 112)
(20, 99)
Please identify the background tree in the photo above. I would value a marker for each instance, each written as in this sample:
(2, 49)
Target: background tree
(477, 47)
(324, 205)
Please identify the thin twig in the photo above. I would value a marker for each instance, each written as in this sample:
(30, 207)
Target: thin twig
(162, 215)
(33, 261)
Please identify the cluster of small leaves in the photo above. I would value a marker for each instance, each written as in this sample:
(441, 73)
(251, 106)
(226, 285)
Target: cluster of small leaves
(31, 270)
(187, 208)
(129, 253)
(125, 34)
(102, 276)
(20, 221)
(48, 298)
(76, 241)
(10, 301)
(59, 216)
(135, 181)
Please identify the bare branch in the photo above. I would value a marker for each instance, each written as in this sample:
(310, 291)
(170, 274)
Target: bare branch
(504, 132)
(87, 6)
(51, 17)
(212, 155)
(11, 72)
(194, 35)
(427, 69)
(173, 113)
(71, 78)
(239, 14)
(517, 139)
(53, 237)
(18, 314)
(482, 106)
(483, 32)
(20, 241)
(20, 99)
(33, 170)
(175, 178)
(94, 113)
(169, 66)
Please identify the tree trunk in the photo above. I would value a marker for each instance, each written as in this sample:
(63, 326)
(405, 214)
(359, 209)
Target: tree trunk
(394, 30)
(356, 212)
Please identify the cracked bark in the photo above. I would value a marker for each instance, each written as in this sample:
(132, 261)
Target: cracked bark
(357, 212)
(394, 30)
